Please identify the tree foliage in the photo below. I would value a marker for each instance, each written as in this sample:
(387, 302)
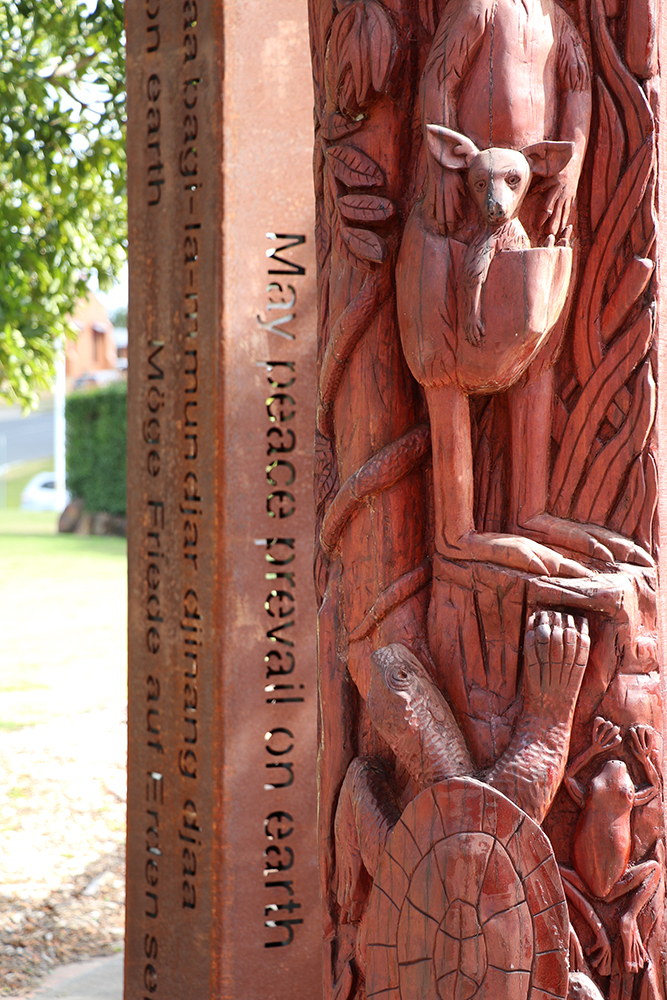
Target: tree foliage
(62, 174)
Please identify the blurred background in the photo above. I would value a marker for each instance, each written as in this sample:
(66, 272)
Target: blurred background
(63, 368)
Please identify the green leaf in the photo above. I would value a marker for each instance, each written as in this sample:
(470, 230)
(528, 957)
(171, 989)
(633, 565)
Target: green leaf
(62, 174)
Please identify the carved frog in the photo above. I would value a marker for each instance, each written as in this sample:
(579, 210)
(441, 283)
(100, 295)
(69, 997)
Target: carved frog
(603, 839)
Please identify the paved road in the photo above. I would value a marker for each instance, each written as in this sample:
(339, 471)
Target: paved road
(100, 979)
(25, 438)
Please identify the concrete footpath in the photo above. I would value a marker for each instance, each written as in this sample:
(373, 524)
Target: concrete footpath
(98, 979)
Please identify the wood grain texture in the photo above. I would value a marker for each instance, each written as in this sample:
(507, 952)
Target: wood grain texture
(486, 483)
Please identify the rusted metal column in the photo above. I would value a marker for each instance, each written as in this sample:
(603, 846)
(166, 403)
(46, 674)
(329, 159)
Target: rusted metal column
(222, 883)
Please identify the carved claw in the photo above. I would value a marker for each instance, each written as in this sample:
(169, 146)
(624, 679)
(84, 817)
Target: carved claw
(592, 540)
(600, 954)
(514, 551)
(577, 958)
(606, 735)
(622, 549)
(565, 237)
(474, 331)
(641, 741)
(551, 530)
(638, 556)
(634, 951)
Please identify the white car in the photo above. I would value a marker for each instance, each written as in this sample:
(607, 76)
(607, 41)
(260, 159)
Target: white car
(41, 494)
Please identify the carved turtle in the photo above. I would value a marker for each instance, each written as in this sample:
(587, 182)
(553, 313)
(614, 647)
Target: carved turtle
(467, 903)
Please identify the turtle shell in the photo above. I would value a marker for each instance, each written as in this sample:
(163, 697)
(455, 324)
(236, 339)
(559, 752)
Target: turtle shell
(467, 903)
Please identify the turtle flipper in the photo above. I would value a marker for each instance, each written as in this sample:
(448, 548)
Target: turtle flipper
(367, 812)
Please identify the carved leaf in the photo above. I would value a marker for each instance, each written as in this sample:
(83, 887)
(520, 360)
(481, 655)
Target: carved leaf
(628, 509)
(631, 97)
(577, 445)
(611, 232)
(323, 233)
(609, 151)
(647, 529)
(320, 15)
(337, 126)
(364, 244)
(353, 168)
(319, 166)
(362, 56)
(384, 49)
(614, 461)
(343, 249)
(627, 293)
(427, 15)
(365, 207)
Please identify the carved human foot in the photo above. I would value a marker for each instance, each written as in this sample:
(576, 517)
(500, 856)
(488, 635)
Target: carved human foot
(555, 657)
(587, 539)
(513, 551)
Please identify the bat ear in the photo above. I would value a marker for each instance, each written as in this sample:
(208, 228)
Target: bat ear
(450, 148)
(548, 158)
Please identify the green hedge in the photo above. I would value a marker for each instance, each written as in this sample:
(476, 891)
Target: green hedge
(96, 447)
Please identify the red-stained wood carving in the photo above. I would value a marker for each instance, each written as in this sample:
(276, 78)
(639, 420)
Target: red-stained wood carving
(491, 716)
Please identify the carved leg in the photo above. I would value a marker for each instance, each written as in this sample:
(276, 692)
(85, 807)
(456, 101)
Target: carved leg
(575, 890)
(644, 878)
(555, 657)
(367, 813)
(453, 479)
(473, 325)
(577, 958)
(531, 420)
(449, 411)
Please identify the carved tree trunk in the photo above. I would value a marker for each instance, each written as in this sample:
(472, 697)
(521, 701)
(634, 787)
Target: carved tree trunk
(486, 479)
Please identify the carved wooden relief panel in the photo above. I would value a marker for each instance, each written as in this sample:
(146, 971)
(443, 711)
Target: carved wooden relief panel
(490, 701)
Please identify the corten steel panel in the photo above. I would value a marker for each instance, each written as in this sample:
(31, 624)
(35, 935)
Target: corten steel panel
(222, 880)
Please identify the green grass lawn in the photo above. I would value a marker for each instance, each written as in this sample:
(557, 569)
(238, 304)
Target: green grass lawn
(63, 600)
